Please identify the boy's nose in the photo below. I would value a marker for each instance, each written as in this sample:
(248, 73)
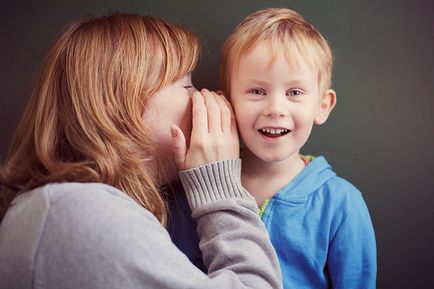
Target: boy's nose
(276, 107)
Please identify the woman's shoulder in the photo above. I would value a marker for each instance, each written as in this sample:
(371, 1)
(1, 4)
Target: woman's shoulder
(72, 191)
(87, 226)
(82, 200)
(63, 198)
(90, 209)
(89, 193)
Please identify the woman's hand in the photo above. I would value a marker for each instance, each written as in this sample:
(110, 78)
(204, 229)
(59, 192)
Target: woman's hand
(214, 134)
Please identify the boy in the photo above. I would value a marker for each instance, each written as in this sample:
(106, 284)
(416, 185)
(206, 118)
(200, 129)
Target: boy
(276, 69)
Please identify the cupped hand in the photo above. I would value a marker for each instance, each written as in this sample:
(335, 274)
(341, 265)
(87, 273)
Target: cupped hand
(214, 134)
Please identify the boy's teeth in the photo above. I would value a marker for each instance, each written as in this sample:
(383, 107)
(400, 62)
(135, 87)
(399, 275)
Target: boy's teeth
(273, 131)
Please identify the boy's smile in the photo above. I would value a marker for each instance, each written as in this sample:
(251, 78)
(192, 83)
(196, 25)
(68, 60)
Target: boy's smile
(276, 100)
(273, 132)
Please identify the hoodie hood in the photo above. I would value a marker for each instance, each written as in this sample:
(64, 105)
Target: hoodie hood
(314, 175)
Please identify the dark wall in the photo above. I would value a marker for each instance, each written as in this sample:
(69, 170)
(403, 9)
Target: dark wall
(380, 136)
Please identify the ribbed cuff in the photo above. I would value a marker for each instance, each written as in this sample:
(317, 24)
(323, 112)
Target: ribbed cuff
(212, 182)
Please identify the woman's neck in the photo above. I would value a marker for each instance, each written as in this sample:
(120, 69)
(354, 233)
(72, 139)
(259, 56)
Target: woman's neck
(264, 179)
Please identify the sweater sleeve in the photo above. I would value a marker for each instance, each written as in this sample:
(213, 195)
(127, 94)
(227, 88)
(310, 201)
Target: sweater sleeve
(352, 258)
(92, 239)
(233, 240)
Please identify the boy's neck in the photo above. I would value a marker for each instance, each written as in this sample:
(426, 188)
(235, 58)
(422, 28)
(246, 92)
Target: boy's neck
(264, 179)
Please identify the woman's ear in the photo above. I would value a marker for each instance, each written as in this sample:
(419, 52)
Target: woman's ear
(327, 103)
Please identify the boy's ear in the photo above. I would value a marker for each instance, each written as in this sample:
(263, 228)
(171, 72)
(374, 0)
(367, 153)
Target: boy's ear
(327, 103)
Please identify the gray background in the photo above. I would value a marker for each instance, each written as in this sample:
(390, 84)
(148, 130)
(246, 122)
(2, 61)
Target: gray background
(380, 136)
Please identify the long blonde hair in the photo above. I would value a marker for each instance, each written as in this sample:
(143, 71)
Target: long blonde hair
(84, 120)
(285, 30)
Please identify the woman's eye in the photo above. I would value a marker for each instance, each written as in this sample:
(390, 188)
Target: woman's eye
(188, 86)
(257, 91)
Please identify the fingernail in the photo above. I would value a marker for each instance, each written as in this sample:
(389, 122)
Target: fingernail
(174, 132)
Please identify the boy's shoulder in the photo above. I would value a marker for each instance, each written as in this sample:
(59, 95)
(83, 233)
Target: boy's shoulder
(319, 182)
(324, 180)
(336, 183)
(337, 197)
(336, 193)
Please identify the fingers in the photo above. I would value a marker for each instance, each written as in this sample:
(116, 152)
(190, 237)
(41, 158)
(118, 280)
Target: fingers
(226, 113)
(214, 135)
(234, 128)
(213, 109)
(179, 146)
(221, 118)
(229, 123)
(199, 116)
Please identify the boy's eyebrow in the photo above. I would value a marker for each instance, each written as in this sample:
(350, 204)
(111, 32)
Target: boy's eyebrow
(292, 82)
(300, 82)
(254, 80)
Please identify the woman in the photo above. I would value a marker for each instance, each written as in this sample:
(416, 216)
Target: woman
(81, 181)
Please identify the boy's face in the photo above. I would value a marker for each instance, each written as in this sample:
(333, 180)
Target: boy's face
(276, 103)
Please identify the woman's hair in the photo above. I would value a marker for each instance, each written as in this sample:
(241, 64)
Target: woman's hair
(286, 31)
(84, 120)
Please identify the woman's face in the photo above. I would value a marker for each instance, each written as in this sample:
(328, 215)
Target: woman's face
(170, 105)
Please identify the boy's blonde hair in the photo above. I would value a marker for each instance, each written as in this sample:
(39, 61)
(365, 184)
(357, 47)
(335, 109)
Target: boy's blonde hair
(286, 31)
(84, 121)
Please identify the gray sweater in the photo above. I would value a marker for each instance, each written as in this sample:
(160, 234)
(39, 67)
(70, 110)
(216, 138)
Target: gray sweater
(91, 235)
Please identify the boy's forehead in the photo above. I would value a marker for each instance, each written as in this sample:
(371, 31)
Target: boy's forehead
(265, 53)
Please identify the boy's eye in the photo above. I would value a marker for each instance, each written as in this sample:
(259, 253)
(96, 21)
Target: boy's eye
(294, 92)
(257, 91)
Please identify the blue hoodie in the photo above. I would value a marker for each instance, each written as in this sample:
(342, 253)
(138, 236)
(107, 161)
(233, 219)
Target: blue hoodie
(321, 229)
(322, 232)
